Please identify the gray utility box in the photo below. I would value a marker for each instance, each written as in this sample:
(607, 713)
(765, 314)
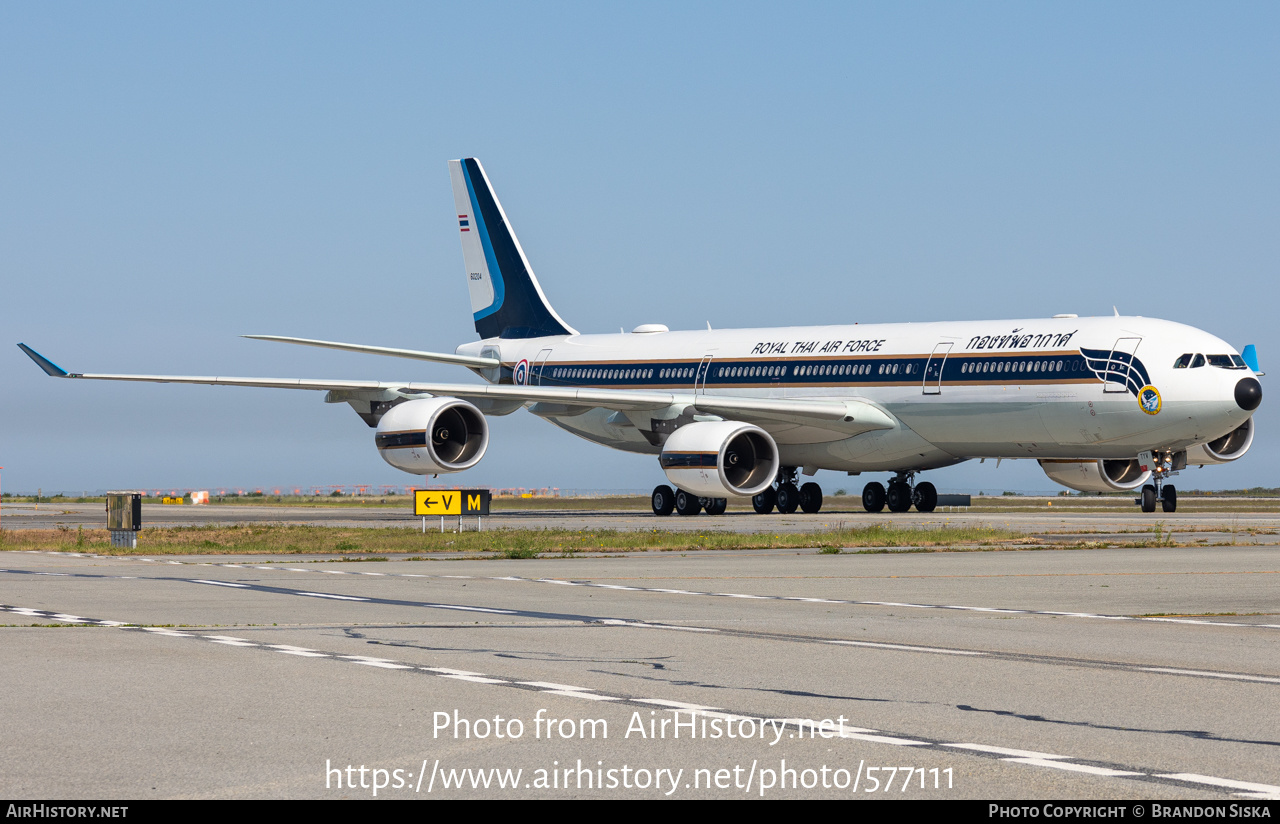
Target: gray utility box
(124, 518)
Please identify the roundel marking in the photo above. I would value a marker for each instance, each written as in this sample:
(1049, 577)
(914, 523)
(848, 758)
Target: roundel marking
(521, 373)
(1149, 399)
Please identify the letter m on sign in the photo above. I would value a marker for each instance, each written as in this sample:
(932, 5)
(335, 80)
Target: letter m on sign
(475, 501)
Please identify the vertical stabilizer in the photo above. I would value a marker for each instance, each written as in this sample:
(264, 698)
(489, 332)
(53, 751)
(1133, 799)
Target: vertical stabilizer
(505, 296)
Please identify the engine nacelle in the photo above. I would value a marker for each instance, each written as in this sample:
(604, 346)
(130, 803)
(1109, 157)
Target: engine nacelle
(1097, 476)
(1225, 449)
(432, 435)
(714, 459)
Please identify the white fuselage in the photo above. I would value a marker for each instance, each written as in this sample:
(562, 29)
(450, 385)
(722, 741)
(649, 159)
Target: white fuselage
(1036, 388)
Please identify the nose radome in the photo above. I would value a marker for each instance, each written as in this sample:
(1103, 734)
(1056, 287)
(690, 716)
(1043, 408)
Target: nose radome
(1248, 394)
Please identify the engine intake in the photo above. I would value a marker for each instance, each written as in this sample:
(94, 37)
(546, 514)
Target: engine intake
(432, 435)
(1225, 449)
(1097, 476)
(719, 458)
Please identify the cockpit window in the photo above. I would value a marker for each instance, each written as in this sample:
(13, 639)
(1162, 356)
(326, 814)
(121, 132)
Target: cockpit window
(1183, 361)
(1198, 362)
(1226, 362)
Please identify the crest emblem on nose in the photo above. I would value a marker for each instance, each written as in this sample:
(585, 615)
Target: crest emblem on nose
(1149, 399)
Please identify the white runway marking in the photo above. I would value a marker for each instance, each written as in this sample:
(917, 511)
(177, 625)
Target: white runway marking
(383, 663)
(679, 705)
(885, 739)
(875, 645)
(547, 685)
(1005, 751)
(289, 649)
(1228, 675)
(1252, 790)
(1067, 765)
(231, 641)
(478, 679)
(590, 696)
(334, 597)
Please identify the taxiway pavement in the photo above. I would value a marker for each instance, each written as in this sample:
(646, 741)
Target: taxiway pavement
(1105, 673)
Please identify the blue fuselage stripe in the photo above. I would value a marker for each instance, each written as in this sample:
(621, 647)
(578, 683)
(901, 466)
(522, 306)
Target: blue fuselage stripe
(980, 370)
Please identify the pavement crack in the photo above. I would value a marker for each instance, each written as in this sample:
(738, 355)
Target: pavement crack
(1200, 735)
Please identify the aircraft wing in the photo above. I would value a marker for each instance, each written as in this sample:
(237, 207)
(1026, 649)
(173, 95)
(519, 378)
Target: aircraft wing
(847, 415)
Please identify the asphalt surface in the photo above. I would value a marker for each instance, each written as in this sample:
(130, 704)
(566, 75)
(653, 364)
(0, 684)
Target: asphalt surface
(1092, 674)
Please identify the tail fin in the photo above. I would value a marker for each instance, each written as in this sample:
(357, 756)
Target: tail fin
(505, 296)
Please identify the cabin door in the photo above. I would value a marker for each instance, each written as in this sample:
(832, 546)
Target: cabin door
(700, 380)
(539, 363)
(933, 369)
(1118, 364)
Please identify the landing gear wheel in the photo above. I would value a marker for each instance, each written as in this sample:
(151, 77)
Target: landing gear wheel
(926, 497)
(663, 500)
(763, 503)
(873, 497)
(788, 498)
(1169, 498)
(810, 498)
(687, 504)
(1148, 498)
(899, 497)
(717, 506)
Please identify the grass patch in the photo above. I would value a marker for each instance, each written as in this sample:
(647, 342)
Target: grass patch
(283, 539)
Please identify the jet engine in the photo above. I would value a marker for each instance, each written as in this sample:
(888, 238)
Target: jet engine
(714, 459)
(1225, 449)
(432, 435)
(1097, 476)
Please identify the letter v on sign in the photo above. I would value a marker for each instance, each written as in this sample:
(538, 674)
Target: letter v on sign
(437, 502)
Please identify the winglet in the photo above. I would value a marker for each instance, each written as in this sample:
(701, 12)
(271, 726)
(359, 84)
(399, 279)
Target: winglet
(49, 367)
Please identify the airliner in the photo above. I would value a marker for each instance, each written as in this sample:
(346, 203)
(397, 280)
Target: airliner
(1102, 403)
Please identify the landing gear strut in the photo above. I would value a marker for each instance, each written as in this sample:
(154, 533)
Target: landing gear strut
(1161, 464)
(786, 496)
(902, 493)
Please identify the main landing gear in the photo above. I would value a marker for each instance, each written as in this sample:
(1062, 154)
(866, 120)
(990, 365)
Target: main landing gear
(1158, 489)
(666, 500)
(900, 495)
(787, 497)
(784, 495)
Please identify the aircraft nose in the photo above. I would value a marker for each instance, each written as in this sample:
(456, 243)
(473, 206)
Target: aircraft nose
(1248, 394)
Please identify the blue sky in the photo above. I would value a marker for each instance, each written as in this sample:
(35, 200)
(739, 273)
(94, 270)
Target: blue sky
(176, 175)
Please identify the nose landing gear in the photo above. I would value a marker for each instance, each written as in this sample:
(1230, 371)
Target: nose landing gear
(1163, 465)
(900, 496)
